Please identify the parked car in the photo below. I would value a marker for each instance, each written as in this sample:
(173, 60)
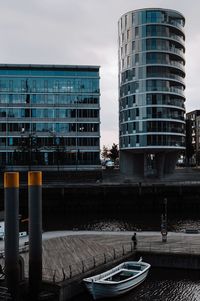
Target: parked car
(109, 164)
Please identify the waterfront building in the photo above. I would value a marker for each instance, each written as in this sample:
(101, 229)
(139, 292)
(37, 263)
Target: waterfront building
(193, 122)
(49, 116)
(151, 90)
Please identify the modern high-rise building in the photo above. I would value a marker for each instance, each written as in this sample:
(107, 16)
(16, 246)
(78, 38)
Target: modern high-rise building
(49, 116)
(193, 123)
(151, 90)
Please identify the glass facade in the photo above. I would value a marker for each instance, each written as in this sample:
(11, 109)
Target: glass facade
(151, 80)
(49, 115)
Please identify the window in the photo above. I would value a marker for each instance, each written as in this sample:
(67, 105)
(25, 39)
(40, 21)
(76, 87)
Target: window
(136, 58)
(23, 85)
(128, 34)
(125, 48)
(136, 32)
(133, 18)
(10, 85)
(45, 85)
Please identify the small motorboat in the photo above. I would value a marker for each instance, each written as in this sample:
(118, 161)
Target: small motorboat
(118, 280)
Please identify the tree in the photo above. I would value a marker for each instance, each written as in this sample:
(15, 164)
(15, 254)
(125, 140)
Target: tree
(27, 150)
(114, 152)
(105, 152)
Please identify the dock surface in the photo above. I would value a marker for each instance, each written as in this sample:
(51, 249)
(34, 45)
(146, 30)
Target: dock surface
(73, 252)
(69, 253)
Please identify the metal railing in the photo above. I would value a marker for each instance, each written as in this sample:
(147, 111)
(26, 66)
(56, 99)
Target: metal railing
(87, 264)
(4, 294)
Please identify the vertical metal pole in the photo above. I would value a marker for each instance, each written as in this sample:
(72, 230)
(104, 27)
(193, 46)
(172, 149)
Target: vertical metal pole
(35, 232)
(11, 203)
(164, 221)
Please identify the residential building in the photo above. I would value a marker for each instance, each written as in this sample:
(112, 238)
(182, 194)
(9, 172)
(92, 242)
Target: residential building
(193, 120)
(49, 116)
(151, 91)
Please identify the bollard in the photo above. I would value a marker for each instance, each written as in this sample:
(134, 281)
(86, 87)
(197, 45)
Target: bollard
(35, 233)
(11, 205)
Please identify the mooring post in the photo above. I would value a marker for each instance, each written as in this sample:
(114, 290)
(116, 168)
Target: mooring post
(164, 221)
(35, 233)
(11, 205)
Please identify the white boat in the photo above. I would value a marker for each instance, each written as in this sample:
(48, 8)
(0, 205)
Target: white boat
(118, 280)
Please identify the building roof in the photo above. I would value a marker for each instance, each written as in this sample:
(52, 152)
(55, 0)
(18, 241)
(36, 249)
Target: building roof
(195, 112)
(172, 11)
(50, 67)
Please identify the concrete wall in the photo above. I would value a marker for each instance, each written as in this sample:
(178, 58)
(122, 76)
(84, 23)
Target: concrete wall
(176, 261)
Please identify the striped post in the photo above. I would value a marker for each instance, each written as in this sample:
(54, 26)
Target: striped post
(35, 233)
(11, 205)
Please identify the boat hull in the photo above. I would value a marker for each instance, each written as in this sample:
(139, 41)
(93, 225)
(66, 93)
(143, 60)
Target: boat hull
(102, 290)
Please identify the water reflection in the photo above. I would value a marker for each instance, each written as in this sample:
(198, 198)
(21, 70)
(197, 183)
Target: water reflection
(118, 222)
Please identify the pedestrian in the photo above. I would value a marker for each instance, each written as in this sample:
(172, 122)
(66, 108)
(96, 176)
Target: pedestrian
(134, 239)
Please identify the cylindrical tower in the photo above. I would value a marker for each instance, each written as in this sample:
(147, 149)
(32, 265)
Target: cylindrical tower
(151, 90)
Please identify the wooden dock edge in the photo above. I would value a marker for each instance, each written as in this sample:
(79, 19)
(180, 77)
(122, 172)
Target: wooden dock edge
(70, 288)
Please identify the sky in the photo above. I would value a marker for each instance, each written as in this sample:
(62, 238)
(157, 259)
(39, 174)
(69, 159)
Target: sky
(84, 32)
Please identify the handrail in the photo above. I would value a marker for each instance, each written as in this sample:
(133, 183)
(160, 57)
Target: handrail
(67, 272)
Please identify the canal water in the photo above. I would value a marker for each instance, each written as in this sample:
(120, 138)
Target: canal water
(162, 285)
(131, 221)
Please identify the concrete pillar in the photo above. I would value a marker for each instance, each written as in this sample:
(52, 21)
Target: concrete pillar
(11, 204)
(139, 164)
(35, 233)
(132, 164)
(170, 162)
(160, 163)
(126, 163)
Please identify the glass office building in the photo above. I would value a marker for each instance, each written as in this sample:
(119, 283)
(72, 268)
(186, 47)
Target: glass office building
(151, 90)
(49, 115)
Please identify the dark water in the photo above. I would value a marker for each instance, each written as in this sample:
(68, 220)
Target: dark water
(119, 222)
(162, 285)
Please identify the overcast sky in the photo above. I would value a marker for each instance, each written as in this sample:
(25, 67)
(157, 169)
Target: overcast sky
(84, 32)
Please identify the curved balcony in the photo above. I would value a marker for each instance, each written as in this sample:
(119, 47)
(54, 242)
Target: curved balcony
(164, 63)
(170, 36)
(168, 50)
